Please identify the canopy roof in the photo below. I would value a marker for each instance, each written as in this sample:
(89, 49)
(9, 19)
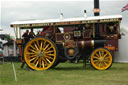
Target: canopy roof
(66, 21)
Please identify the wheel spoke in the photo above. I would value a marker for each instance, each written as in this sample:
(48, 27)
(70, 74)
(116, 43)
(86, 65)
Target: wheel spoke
(97, 55)
(33, 51)
(35, 60)
(102, 64)
(99, 64)
(36, 63)
(30, 53)
(49, 52)
(37, 44)
(45, 61)
(49, 57)
(46, 46)
(32, 59)
(48, 60)
(40, 63)
(33, 48)
(36, 47)
(105, 55)
(106, 58)
(41, 46)
(102, 54)
(105, 63)
(95, 60)
(33, 55)
(43, 64)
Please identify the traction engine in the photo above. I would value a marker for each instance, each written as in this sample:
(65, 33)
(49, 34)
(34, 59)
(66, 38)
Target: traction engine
(91, 38)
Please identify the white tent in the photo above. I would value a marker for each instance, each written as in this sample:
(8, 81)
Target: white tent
(122, 54)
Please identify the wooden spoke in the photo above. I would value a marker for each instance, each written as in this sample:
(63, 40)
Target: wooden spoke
(44, 44)
(49, 57)
(105, 63)
(95, 60)
(43, 64)
(35, 60)
(45, 61)
(33, 48)
(36, 47)
(106, 58)
(29, 53)
(33, 55)
(102, 53)
(48, 60)
(41, 45)
(37, 44)
(105, 55)
(97, 55)
(40, 63)
(99, 65)
(32, 59)
(36, 63)
(33, 51)
(46, 47)
(49, 52)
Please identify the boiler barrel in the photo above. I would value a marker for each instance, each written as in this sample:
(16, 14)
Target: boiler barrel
(91, 43)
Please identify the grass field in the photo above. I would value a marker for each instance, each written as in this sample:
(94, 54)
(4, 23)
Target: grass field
(65, 74)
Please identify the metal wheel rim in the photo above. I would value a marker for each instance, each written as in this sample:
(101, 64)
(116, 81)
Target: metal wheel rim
(40, 54)
(101, 59)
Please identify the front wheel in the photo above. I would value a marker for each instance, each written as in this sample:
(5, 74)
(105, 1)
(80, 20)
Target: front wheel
(40, 54)
(101, 59)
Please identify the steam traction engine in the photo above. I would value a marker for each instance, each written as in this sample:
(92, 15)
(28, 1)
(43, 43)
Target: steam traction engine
(70, 39)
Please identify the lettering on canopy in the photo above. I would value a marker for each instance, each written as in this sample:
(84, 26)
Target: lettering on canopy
(32, 25)
(102, 20)
(66, 23)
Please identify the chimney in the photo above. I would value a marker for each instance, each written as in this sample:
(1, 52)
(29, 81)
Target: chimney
(61, 15)
(96, 13)
(96, 8)
(85, 14)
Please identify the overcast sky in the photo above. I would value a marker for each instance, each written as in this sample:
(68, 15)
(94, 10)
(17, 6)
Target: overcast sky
(14, 10)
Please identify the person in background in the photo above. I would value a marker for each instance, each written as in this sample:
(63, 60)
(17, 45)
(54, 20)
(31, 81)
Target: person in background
(31, 34)
(25, 36)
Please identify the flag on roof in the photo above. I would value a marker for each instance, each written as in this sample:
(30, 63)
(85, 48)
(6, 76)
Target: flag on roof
(125, 8)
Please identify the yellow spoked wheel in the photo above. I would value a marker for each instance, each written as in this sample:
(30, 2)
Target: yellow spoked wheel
(101, 59)
(40, 54)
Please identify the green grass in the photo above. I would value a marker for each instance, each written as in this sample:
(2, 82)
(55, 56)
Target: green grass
(65, 74)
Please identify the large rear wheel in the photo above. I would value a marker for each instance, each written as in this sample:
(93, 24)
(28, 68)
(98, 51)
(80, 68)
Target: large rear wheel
(101, 59)
(40, 54)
